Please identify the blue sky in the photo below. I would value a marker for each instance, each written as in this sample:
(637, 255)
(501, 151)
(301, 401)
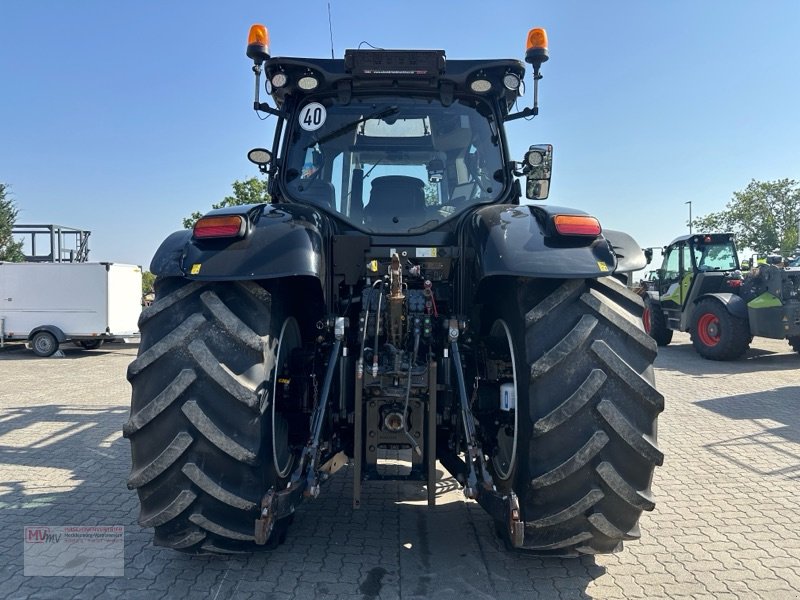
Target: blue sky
(123, 118)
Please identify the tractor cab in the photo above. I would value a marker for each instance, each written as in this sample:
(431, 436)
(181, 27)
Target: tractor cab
(396, 142)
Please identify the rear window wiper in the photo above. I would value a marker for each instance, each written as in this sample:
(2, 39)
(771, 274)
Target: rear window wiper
(381, 114)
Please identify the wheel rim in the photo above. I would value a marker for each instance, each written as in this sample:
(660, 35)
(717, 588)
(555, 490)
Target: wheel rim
(505, 458)
(282, 458)
(44, 344)
(646, 319)
(708, 329)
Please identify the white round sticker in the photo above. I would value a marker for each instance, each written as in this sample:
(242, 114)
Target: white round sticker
(312, 116)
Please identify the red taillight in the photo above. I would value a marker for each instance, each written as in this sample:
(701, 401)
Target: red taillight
(219, 227)
(735, 282)
(577, 225)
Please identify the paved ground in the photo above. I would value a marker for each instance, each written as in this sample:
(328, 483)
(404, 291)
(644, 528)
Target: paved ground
(727, 522)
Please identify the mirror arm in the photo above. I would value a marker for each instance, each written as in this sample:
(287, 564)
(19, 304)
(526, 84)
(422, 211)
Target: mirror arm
(524, 113)
(264, 107)
(530, 111)
(519, 171)
(257, 104)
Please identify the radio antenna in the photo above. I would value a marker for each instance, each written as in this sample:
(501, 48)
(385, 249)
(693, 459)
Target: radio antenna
(330, 27)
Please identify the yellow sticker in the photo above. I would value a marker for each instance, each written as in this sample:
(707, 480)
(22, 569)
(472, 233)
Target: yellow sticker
(602, 266)
(373, 266)
(195, 269)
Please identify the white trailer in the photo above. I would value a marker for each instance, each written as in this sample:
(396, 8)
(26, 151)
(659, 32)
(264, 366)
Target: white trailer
(86, 303)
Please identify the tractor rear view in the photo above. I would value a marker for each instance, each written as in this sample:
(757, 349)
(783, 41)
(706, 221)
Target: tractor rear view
(700, 289)
(395, 297)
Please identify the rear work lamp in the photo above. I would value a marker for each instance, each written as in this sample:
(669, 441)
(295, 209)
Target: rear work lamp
(222, 226)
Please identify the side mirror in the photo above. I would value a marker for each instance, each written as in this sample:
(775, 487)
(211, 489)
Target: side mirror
(538, 166)
(260, 157)
(435, 170)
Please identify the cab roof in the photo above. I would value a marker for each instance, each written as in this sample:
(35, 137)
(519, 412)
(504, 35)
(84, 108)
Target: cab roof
(716, 238)
(401, 71)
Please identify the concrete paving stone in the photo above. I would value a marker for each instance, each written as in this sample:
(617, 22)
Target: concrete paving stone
(727, 497)
(711, 582)
(770, 585)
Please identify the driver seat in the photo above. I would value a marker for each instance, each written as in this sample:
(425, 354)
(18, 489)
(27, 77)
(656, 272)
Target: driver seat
(394, 196)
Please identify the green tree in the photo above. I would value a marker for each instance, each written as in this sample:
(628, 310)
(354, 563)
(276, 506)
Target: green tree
(10, 250)
(764, 216)
(147, 282)
(249, 191)
(431, 194)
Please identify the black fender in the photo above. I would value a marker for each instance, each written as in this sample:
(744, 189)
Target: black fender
(56, 331)
(630, 256)
(282, 240)
(520, 241)
(733, 303)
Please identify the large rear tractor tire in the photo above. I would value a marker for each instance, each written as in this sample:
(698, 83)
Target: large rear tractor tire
(655, 323)
(583, 446)
(200, 426)
(717, 334)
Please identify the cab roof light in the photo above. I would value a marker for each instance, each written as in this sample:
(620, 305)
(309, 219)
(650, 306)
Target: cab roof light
(511, 82)
(258, 43)
(577, 225)
(308, 82)
(481, 85)
(279, 79)
(222, 226)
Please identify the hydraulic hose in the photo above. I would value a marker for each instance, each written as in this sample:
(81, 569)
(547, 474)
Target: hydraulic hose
(377, 332)
(408, 390)
(360, 369)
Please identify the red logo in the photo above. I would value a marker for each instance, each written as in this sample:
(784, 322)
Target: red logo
(37, 535)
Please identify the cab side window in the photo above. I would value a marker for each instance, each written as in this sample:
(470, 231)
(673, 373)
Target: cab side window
(687, 259)
(672, 263)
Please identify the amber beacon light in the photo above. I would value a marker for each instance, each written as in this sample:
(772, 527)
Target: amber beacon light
(258, 43)
(536, 50)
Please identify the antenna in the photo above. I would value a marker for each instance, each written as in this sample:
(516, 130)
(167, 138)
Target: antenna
(330, 27)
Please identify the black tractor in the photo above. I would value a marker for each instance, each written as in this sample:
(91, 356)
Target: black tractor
(395, 305)
(700, 288)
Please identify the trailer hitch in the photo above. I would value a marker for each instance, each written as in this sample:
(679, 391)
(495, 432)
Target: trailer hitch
(306, 478)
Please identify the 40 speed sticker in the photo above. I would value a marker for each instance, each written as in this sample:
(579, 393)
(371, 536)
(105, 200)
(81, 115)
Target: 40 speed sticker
(312, 116)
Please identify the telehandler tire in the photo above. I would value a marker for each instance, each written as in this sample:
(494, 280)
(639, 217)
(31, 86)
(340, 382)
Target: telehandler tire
(794, 342)
(655, 323)
(587, 409)
(200, 423)
(717, 334)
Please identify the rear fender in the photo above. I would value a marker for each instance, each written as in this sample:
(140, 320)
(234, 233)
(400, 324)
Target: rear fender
(55, 331)
(519, 241)
(283, 240)
(630, 256)
(734, 304)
